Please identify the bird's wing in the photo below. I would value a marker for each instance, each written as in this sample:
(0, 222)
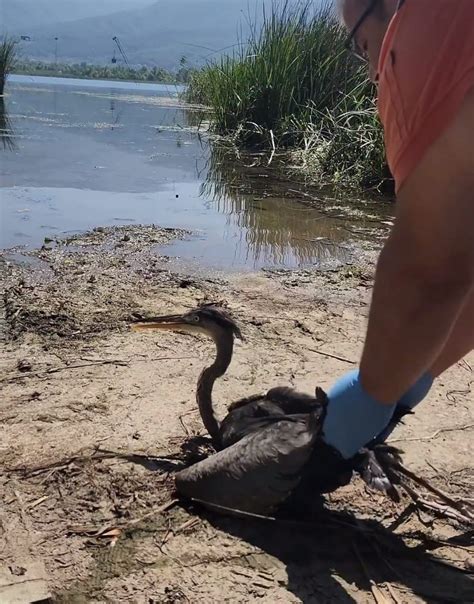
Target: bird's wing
(288, 399)
(250, 418)
(326, 471)
(291, 401)
(256, 412)
(242, 402)
(257, 473)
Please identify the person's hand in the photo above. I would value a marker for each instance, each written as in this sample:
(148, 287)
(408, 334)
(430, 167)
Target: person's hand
(413, 397)
(354, 418)
(417, 393)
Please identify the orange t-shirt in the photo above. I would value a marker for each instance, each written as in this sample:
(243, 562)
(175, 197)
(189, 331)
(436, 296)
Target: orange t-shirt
(426, 69)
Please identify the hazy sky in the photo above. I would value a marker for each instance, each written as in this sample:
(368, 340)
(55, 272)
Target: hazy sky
(153, 32)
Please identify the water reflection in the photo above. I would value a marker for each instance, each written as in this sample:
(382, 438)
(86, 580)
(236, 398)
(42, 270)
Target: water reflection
(89, 157)
(6, 130)
(274, 229)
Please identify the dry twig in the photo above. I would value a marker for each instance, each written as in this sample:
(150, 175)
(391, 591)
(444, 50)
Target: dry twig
(376, 592)
(185, 428)
(393, 594)
(457, 505)
(38, 501)
(453, 508)
(119, 363)
(114, 532)
(431, 436)
(92, 363)
(331, 356)
(62, 464)
(24, 519)
(451, 394)
(433, 506)
(187, 525)
(166, 506)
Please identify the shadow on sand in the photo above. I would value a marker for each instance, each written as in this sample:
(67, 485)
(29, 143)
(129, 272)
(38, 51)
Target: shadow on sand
(336, 546)
(333, 555)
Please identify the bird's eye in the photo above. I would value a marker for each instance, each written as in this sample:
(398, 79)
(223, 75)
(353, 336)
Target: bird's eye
(195, 319)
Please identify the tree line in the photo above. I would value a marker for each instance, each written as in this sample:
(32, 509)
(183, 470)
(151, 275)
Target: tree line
(105, 72)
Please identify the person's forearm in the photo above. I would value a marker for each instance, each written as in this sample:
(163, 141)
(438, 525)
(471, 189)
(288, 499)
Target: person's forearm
(413, 311)
(461, 339)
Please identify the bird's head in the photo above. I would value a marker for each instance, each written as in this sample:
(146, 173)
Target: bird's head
(208, 319)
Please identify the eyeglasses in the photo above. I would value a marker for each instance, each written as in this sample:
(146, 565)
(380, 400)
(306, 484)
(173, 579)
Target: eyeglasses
(351, 43)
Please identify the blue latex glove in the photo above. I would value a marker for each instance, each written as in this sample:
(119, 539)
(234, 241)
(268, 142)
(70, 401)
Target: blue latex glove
(407, 403)
(417, 392)
(354, 417)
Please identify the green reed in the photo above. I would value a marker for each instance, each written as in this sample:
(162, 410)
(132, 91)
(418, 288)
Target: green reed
(293, 85)
(7, 59)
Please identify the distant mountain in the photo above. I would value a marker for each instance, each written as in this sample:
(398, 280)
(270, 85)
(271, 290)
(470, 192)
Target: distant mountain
(22, 16)
(156, 35)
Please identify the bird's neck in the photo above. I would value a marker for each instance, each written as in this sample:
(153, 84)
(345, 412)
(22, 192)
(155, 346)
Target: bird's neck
(224, 347)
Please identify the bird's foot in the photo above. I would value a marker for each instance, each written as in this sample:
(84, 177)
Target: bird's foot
(377, 469)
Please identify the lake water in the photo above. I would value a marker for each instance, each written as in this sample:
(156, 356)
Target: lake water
(170, 89)
(85, 153)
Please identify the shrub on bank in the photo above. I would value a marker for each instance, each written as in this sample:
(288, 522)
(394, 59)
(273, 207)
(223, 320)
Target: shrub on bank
(344, 146)
(294, 85)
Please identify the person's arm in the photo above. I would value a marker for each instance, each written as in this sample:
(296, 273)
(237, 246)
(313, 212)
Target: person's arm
(461, 340)
(426, 269)
(423, 279)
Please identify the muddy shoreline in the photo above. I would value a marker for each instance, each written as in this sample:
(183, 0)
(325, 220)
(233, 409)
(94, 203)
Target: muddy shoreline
(94, 420)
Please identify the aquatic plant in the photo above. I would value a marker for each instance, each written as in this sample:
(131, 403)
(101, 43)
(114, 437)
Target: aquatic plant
(344, 145)
(294, 85)
(7, 59)
(6, 131)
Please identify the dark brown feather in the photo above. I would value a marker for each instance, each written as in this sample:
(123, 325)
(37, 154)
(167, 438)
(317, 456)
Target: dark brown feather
(257, 473)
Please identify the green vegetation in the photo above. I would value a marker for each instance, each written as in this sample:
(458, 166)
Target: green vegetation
(294, 86)
(7, 59)
(6, 132)
(344, 144)
(101, 72)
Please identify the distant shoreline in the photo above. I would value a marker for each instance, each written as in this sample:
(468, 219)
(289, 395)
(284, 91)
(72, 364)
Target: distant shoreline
(89, 71)
(65, 76)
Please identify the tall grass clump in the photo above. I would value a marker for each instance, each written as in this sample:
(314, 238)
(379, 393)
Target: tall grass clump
(297, 58)
(7, 59)
(294, 85)
(344, 145)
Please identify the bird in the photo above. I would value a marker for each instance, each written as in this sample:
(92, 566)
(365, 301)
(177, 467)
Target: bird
(269, 447)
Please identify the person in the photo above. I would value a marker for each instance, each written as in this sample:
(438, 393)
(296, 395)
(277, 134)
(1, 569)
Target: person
(421, 55)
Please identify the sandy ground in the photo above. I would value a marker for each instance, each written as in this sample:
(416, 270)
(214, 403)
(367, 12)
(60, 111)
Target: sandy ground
(94, 420)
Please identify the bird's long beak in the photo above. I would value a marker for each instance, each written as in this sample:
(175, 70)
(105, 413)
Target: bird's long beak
(169, 322)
